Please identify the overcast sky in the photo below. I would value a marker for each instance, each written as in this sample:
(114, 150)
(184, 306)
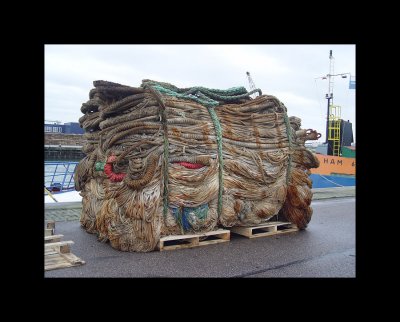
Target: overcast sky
(285, 71)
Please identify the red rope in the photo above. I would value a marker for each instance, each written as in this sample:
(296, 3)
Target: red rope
(190, 165)
(117, 177)
(108, 170)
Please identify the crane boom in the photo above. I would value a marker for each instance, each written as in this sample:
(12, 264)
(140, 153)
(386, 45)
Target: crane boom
(251, 84)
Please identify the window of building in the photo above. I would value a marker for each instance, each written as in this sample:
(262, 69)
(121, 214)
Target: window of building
(54, 129)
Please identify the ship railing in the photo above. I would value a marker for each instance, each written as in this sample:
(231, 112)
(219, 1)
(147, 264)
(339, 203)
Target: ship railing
(59, 175)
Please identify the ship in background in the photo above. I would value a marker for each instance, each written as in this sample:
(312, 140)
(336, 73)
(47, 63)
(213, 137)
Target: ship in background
(337, 155)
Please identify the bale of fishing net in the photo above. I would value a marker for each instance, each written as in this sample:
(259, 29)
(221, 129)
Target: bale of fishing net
(163, 160)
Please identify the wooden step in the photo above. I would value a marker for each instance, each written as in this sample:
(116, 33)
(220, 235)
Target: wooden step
(62, 246)
(52, 238)
(189, 241)
(267, 229)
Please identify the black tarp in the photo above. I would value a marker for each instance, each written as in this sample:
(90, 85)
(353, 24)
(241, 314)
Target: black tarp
(346, 136)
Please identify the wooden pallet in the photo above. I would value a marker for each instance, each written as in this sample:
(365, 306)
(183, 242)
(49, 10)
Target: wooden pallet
(267, 229)
(57, 253)
(189, 241)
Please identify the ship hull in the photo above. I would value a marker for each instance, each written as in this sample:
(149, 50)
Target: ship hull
(330, 165)
(334, 172)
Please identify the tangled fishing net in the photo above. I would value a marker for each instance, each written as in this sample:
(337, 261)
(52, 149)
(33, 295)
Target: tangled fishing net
(163, 160)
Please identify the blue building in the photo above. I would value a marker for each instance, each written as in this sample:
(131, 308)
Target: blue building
(72, 128)
(66, 128)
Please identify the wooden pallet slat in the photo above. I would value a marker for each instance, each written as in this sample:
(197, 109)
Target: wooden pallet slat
(57, 259)
(52, 238)
(267, 229)
(48, 232)
(63, 263)
(73, 259)
(49, 252)
(63, 246)
(193, 240)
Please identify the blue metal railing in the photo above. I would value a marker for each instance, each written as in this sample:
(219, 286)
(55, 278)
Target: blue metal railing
(59, 175)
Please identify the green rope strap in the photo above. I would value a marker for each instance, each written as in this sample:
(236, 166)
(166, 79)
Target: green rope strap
(225, 92)
(180, 220)
(202, 95)
(228, 98)
(165, 162)
(289, 135)
(160, 101)
(204, 100)
(218, 133)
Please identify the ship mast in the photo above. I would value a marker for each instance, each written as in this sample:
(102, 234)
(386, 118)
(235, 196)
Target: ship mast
(329, 95)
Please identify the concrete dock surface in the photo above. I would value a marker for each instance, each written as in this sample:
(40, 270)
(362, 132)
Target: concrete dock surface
(325, 249)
